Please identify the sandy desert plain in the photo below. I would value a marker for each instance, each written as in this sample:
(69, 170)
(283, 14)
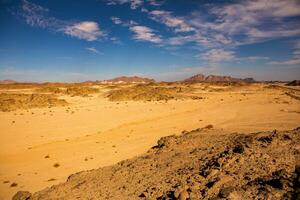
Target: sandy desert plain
(50, 131)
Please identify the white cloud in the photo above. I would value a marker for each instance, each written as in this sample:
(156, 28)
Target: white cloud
(294, 60)
(214, 56)
(143, 33)
(166, 17)
(115, 40)
(36, 15)
(155, 2)
(251, 20)
(93, 50)
(297, 44)
(87, 30)
(115, 2)
(256, 58)
(116, 20)
(179, 40)
(227, 26)
(235, 24)
(134, 4)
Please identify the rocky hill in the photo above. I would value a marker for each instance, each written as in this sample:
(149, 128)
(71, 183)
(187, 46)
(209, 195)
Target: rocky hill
(196, 78)
(294, 83)
(7, 81)
(216, 79)
(201, 164)
(129, 79)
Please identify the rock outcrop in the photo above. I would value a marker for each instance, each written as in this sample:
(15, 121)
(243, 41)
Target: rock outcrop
(201, 164)
(294, 83)
(200, 78)
(129, 79)
(7, 81)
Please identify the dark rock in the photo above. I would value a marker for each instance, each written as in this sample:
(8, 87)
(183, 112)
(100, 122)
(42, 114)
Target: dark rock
(22, 195)
(142, 195)
(238, 149)
(265, 139)
(225, 192)
(211, 183)
(294, 83)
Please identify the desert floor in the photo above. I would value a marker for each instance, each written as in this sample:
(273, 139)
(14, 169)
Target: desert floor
(95, 132)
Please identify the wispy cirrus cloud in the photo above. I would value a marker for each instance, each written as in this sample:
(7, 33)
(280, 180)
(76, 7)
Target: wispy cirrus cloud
(38, 16)
(141, 33)
(87, 30)
(155, 2)
(93, 50)
(134, 4)
(256, 58)
(177, 23)
(223, 27)
(214, 56)
(297, 44)
(116, 20)
(144, 33)
(294, 60)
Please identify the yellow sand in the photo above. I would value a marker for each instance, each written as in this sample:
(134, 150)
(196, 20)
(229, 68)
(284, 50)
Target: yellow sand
(96, 132)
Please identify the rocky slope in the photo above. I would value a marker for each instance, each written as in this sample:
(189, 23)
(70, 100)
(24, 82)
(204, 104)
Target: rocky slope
(201, 164)
(129, 79)
(7, 81)
(196, 78)
(11, 102)
(294, 83)
(216, 79)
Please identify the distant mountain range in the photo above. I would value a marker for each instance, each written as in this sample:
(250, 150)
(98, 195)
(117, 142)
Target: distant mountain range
(200, 78)
(7, 81)
(128, 79)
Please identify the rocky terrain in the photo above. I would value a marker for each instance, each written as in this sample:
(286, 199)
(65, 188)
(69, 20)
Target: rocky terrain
(10, 102)
(129, 79)
(201, 164)
(150, 92)
(200, 78)
(72, 91)
(7, 81)
(294, 83)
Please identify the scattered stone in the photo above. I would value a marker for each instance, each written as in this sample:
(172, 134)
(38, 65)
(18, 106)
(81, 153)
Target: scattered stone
(209, 126)
(56, 165)
(14, 184)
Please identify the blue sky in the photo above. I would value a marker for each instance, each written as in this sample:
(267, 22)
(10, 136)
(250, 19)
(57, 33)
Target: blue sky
(62, 40)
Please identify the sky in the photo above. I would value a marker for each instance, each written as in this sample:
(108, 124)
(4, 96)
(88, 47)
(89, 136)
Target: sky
(73, 41)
